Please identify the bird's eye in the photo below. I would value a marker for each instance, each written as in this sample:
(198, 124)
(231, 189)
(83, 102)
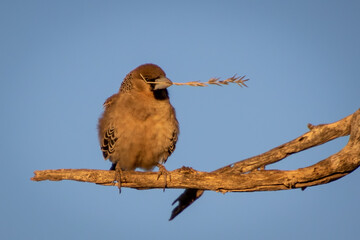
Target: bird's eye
(150, 80)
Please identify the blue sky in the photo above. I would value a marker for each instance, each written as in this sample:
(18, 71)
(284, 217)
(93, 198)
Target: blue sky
(60, 60)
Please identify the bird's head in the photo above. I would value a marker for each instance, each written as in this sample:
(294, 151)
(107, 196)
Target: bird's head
(149, 78)
(153, 75)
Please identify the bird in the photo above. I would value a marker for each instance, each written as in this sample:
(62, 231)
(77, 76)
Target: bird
(138, 127)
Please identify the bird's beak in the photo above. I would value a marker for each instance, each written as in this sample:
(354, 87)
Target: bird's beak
(162, 83)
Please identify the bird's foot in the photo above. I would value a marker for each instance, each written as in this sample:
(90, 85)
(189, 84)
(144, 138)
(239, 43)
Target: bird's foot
(163, 171)
(118, 174)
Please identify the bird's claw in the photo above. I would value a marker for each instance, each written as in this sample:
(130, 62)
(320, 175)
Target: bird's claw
(163, 171)
(118, 174)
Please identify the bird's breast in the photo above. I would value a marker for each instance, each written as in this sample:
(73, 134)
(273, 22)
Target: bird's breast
(144, 134)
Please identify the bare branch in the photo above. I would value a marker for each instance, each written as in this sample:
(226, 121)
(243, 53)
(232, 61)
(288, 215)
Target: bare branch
(242, 176)
(318, 135)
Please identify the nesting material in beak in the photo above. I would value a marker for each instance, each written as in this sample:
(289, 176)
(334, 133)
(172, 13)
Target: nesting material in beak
(162, 83)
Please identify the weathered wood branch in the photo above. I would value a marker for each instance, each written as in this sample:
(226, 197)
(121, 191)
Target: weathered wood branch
(244, 176)
(317, 135)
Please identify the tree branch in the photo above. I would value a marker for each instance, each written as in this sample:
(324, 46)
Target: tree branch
(243, 176)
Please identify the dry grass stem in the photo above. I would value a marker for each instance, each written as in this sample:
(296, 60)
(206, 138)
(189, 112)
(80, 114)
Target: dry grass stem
(216, 81)
(213, 81)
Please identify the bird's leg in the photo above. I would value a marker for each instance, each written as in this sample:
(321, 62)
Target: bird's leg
(163, 171)
(118, 174)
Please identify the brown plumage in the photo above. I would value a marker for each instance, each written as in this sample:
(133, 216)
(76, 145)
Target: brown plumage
(138, 128)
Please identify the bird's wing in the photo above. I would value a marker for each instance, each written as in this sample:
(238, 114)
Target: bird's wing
(173, 141)
(108, 142)
(171, 148)
(108, 139)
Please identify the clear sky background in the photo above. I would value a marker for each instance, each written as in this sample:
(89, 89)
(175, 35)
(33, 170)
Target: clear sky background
(60, 60)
